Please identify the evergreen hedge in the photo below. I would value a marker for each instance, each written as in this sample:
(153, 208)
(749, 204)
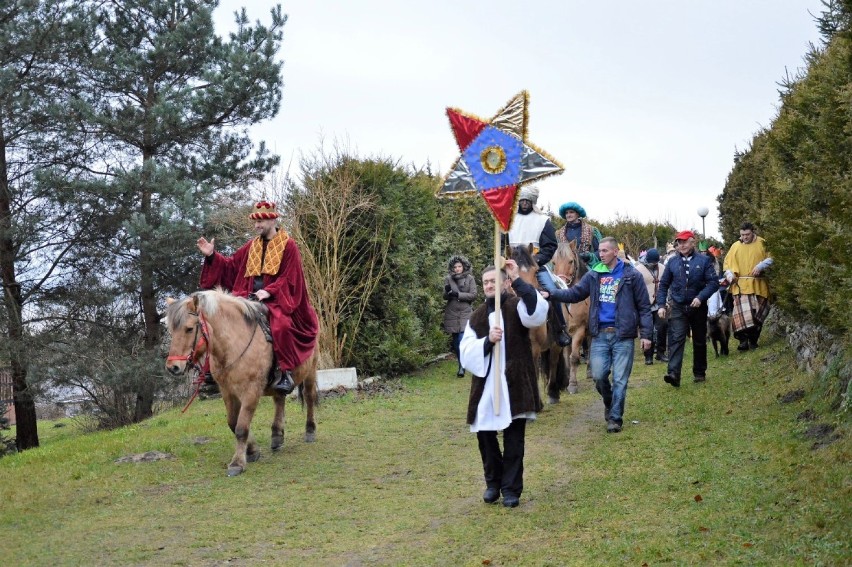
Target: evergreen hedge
(795, 180)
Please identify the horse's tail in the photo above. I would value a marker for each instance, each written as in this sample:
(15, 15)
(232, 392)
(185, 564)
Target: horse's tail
(301, 396)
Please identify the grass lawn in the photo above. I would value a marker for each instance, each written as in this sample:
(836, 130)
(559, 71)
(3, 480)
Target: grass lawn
(724, 472)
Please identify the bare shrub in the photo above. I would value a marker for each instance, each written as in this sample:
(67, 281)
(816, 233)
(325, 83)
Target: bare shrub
(343, 255)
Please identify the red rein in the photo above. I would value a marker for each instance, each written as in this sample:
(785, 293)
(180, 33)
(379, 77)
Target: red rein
(191, 359)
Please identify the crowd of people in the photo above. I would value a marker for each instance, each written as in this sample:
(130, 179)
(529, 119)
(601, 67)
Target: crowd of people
(661, 299)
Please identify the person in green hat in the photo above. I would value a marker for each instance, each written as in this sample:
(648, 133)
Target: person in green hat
(584, 234)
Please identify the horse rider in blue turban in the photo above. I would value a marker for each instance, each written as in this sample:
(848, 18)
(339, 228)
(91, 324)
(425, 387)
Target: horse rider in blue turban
(585, 235)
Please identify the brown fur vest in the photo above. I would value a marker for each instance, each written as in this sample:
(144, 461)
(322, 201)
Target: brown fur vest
(519, 372)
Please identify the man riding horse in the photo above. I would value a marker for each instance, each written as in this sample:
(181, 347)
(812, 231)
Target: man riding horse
(584, 234)
(531, 226)
(269, 268)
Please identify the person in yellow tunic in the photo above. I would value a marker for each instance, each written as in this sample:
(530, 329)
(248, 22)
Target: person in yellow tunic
(745, 264)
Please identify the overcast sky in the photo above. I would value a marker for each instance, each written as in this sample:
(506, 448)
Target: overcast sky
(643, 102)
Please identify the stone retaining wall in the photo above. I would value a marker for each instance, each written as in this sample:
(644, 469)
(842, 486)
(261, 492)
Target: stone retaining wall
(817, 351)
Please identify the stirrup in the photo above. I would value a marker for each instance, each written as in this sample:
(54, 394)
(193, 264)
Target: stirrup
(283, 381)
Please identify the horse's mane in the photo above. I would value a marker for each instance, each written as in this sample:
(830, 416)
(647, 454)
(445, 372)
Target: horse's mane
(564, 252)
(523, 256)
(209, 302)
(175, 315)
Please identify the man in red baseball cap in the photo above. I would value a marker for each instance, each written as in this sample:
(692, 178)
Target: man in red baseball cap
(686, 284)
(269, 267)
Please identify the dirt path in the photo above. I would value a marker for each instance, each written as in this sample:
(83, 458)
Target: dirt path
(560, 440)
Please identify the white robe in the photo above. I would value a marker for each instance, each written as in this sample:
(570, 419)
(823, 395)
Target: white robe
(473, 360)
(526, 229)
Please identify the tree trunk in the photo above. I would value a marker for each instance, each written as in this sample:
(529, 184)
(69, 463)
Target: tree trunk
(25, 414)
(148, 297)
(145, 395)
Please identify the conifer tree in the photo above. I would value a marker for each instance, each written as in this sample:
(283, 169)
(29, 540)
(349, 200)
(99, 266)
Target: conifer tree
(40, 44)
(172, 102)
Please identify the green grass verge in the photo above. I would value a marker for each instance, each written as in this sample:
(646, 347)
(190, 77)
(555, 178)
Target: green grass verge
(721, 472)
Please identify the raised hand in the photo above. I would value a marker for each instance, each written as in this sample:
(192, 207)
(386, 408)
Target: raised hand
(512, 269)
(207, 247)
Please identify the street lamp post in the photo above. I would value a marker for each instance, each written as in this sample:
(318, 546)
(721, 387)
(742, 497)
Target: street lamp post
(702, 212)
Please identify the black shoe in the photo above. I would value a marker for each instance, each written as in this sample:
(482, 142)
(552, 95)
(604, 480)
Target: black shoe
(613, 427)
(649, 359)
(698, 379)
(511, 501)
(662, 358)
(673, 380)
(491, 495)
(743, 345)
(283, 382)
(460, 373)
(752, 345)
(563, 339)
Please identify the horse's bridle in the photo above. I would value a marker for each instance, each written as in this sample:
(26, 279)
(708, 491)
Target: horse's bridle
(565, 279)
(191, 359)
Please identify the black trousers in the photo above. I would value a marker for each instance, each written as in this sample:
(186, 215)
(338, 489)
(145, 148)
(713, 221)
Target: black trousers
(661, 328)
(751, 334)
(505, 470)
(681, 320)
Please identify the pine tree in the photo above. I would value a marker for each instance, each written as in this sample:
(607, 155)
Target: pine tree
(39, 44)
(172, 102)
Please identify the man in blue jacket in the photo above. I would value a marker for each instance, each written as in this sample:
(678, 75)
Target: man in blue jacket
(687, 283)
(619, 306)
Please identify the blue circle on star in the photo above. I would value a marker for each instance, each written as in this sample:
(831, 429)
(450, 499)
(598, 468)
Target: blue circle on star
(494, 159)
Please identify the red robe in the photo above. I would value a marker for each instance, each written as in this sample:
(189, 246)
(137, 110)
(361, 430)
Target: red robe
(292, 318)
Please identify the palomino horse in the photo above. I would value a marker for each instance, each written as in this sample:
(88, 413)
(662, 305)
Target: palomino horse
(547, 353)
(569, 267)
(229, 330)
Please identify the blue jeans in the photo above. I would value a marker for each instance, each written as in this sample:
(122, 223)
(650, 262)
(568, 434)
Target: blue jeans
(609, 352)
(544, 279)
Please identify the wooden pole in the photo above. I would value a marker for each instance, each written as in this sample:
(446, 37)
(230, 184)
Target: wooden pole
(497, 316)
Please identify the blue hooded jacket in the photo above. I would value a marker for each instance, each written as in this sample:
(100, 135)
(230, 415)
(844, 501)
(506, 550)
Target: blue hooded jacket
(632, 306)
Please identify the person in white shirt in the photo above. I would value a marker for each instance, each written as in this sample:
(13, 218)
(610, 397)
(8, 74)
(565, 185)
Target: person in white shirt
(519, 398)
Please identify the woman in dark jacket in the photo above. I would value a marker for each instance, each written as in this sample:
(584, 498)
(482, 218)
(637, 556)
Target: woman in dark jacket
(459, 291)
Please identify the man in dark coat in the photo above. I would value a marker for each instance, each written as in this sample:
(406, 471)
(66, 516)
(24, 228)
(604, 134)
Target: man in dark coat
(269, 268)
(619, 306)
(687, 282)
(519, 398)
(652, 270)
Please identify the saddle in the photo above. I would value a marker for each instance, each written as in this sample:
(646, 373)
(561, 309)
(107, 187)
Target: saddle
(263, 323)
